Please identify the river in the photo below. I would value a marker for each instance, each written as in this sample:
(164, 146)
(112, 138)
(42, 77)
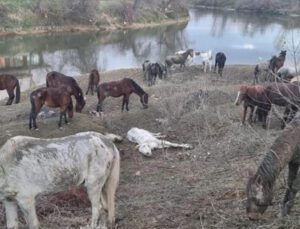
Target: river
(245, 38)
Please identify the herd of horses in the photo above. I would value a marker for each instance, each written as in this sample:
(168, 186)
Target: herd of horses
(153, 69)
(99, 172)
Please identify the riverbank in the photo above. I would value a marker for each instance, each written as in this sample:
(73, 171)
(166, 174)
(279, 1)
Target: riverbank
(263, 7)
(199, 188)
(20, 18)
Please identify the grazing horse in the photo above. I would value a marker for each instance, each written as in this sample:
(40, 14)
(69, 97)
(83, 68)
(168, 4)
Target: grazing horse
(260, 188)
(287, 95)
(119, 88)
(36, 166)
(220, 62)
(51, 97)
(254, 96)
(9, 83)
(56, 79)
(206, 60)
(94, 80)
(179, 59)
(270, 67)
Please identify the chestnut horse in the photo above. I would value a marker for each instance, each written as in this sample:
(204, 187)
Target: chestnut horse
(9, 83)
(254, 96)
(94, 80)
(56, 79)
(51, 97)
(119, 88)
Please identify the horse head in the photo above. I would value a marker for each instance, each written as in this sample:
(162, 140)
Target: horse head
(80, 100)
(144, 100)
(259, 197)
(282, 53)
(241, 95)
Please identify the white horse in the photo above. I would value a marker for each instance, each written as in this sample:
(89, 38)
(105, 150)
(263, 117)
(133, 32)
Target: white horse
(147, 141)
(207, 59)
(33, 166)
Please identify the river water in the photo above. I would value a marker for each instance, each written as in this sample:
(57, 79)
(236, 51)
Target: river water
(243, 37)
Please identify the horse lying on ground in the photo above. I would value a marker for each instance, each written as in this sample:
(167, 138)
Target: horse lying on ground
(94, 80)
(220, 62)
(284, 151)
(51, 97)
(206, 60)
(56, 79)
(254, 96)
(119, 88)
(148, 141)
(9, 83)
(34, 166)
(179, 59)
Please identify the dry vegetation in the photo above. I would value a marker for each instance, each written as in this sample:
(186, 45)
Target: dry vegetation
(200, 188)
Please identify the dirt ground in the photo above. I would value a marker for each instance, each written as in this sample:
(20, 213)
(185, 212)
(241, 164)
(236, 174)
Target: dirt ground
(199, 188)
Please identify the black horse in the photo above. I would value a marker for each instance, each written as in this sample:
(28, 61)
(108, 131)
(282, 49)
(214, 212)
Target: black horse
(220, 62)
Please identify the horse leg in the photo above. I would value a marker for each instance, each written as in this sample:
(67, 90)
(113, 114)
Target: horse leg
(11, 97)
(11, 210)
(87, 91)
(60, 118)
(27, 205)
(126, 101)
(251, 114)
(244, 113)
(293, 187)
(123, 103)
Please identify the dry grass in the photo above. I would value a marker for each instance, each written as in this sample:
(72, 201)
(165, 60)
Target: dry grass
(200, 188)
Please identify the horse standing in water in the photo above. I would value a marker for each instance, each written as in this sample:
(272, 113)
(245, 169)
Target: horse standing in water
(220, 62)
(260, 188)
(119, 88)
(9, 83)
(179, 59)
(94, 80)
(56, 79)
(51, 97)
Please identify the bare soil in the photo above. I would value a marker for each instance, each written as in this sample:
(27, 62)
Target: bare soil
(199, 188)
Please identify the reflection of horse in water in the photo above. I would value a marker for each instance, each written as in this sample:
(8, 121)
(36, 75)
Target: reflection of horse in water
(9, 83)
(270, 67)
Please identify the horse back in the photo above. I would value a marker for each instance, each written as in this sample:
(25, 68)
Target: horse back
(7, 81)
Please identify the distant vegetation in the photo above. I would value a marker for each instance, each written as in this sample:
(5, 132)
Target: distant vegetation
(33, 13)
(271, 6)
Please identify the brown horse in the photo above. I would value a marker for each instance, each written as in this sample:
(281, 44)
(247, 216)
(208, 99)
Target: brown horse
(260, 188)
(179, 59)
(94, 80)
(9, 83)
(254, 96)
(56, 79)
(51, 97)
(119, 88)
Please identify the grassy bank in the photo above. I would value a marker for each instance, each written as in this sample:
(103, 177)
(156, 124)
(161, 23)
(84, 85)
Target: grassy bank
(36, 16)
(199, 188)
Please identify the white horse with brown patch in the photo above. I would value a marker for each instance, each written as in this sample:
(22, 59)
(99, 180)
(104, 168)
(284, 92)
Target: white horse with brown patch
(33, 166)
(147, 141)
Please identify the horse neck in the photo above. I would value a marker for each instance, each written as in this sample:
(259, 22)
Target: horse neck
(280, 154)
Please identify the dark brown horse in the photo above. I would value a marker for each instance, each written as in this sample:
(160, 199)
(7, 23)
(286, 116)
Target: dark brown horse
(220, 62)
(51, 97)
(94, 80)
(9, 83)
(260, 188)
(119, 88)
(56, 79)
(254, 96)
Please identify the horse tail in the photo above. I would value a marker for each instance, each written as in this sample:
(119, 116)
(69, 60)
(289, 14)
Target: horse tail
(18, 93)
(110, 187)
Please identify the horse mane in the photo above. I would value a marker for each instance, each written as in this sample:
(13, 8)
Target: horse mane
(136, 86)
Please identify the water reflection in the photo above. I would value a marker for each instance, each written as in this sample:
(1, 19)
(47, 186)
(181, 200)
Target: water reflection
(243, 37)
